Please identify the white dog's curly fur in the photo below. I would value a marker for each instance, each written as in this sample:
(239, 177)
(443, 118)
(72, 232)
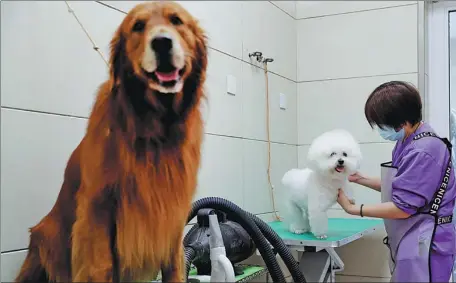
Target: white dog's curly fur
(332, 157)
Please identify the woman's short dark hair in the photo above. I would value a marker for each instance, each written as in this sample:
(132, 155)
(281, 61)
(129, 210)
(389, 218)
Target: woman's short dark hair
(393, 104)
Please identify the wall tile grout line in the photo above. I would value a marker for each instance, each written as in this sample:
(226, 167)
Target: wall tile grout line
(357, 77)
(217, 50)
(294, 18)
(85, 118)
(44, 112)
(207, 133)
(109, 6)
(358, 11)
(249, 139)
(14, 251)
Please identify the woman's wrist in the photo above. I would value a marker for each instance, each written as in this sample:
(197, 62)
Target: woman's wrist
(354, 210)
(372, 183)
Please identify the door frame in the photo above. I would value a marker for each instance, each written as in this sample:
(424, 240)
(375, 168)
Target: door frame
(438, 96)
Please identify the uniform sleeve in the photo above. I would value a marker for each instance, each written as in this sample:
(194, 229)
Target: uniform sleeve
(416, 182)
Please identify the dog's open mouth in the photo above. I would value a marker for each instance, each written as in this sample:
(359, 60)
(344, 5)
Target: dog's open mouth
(340, 168)
(167, 78)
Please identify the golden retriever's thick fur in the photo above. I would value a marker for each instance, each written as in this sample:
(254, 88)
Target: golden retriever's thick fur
(129, 184)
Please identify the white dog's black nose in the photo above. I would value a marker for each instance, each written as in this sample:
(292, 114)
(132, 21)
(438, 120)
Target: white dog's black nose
(340, 161)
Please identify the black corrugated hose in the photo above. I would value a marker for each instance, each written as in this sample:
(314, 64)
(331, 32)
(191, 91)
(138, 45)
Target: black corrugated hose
(261, 234)
(190, 255)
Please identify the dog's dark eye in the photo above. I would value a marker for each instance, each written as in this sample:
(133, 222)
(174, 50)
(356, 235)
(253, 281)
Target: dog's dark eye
(344, 154)
(332, 154)
(139, 26)
(175, 20)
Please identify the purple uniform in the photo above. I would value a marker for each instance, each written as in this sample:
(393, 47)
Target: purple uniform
(420, 181)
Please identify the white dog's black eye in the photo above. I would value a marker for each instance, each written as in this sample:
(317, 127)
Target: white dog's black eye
(175, 20)
(139, 26)
(344, 154)
(332, 154)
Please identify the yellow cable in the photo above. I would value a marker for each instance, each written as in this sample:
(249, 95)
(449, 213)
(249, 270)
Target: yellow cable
(269, 142)
(94, 45)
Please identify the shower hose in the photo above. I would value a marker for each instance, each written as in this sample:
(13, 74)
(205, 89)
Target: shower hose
(260, 232)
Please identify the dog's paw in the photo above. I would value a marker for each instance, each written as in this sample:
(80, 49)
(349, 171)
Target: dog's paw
(320, 234)
(322, 237)
(298, 230)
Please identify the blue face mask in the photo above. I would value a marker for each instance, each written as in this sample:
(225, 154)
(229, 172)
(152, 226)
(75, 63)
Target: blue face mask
(390, 134)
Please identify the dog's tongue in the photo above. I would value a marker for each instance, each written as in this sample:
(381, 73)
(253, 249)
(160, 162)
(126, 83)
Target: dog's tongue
(340, 169)
(166, 77)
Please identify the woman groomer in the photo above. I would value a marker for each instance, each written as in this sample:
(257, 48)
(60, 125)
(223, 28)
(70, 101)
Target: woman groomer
(418, 187)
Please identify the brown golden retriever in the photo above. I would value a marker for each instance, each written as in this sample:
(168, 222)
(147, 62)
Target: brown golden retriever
(129, 185)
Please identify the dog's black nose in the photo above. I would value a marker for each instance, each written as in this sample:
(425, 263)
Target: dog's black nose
(340, 161)
(162, 45)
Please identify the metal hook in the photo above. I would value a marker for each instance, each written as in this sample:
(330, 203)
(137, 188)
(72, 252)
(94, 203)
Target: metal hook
(268, 60)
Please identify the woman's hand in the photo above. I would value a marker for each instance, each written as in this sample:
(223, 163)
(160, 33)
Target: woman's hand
(354, 178)
(385, 210)
(373, 183)
(346, 204)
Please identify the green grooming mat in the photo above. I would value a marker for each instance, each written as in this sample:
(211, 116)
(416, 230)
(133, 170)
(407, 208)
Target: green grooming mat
(340, 231)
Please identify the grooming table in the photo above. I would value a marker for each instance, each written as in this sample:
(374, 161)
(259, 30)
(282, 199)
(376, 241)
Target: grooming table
(319, 261)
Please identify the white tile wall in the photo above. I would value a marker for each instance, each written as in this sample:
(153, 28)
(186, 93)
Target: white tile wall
(256, 187)
(52, 69)
(220, 105)
(10, 264)
(35, 148)
(222, 170)
(345, 50)
(358, 44)
(50, 78)
(333, 104)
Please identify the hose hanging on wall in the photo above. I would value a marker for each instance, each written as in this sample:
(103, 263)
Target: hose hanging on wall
(259, 57)
(271, 186)
(261, 233)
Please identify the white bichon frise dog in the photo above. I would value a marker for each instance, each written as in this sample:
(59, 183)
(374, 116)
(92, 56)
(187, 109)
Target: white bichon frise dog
(332, 157)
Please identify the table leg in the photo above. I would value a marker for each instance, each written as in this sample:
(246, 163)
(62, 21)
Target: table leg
(315, 266)
(321, 266)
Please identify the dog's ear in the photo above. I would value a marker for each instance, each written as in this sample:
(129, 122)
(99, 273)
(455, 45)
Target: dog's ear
(357, 155)
(312, 157)
(117, 56)
(198, 75)
(358, 161)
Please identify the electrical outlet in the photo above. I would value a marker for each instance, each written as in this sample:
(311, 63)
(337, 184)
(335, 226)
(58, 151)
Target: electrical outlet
(231, 84)
(283, 101)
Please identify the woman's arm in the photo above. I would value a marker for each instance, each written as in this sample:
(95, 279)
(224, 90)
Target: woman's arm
(386, 210)
(372, 183)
